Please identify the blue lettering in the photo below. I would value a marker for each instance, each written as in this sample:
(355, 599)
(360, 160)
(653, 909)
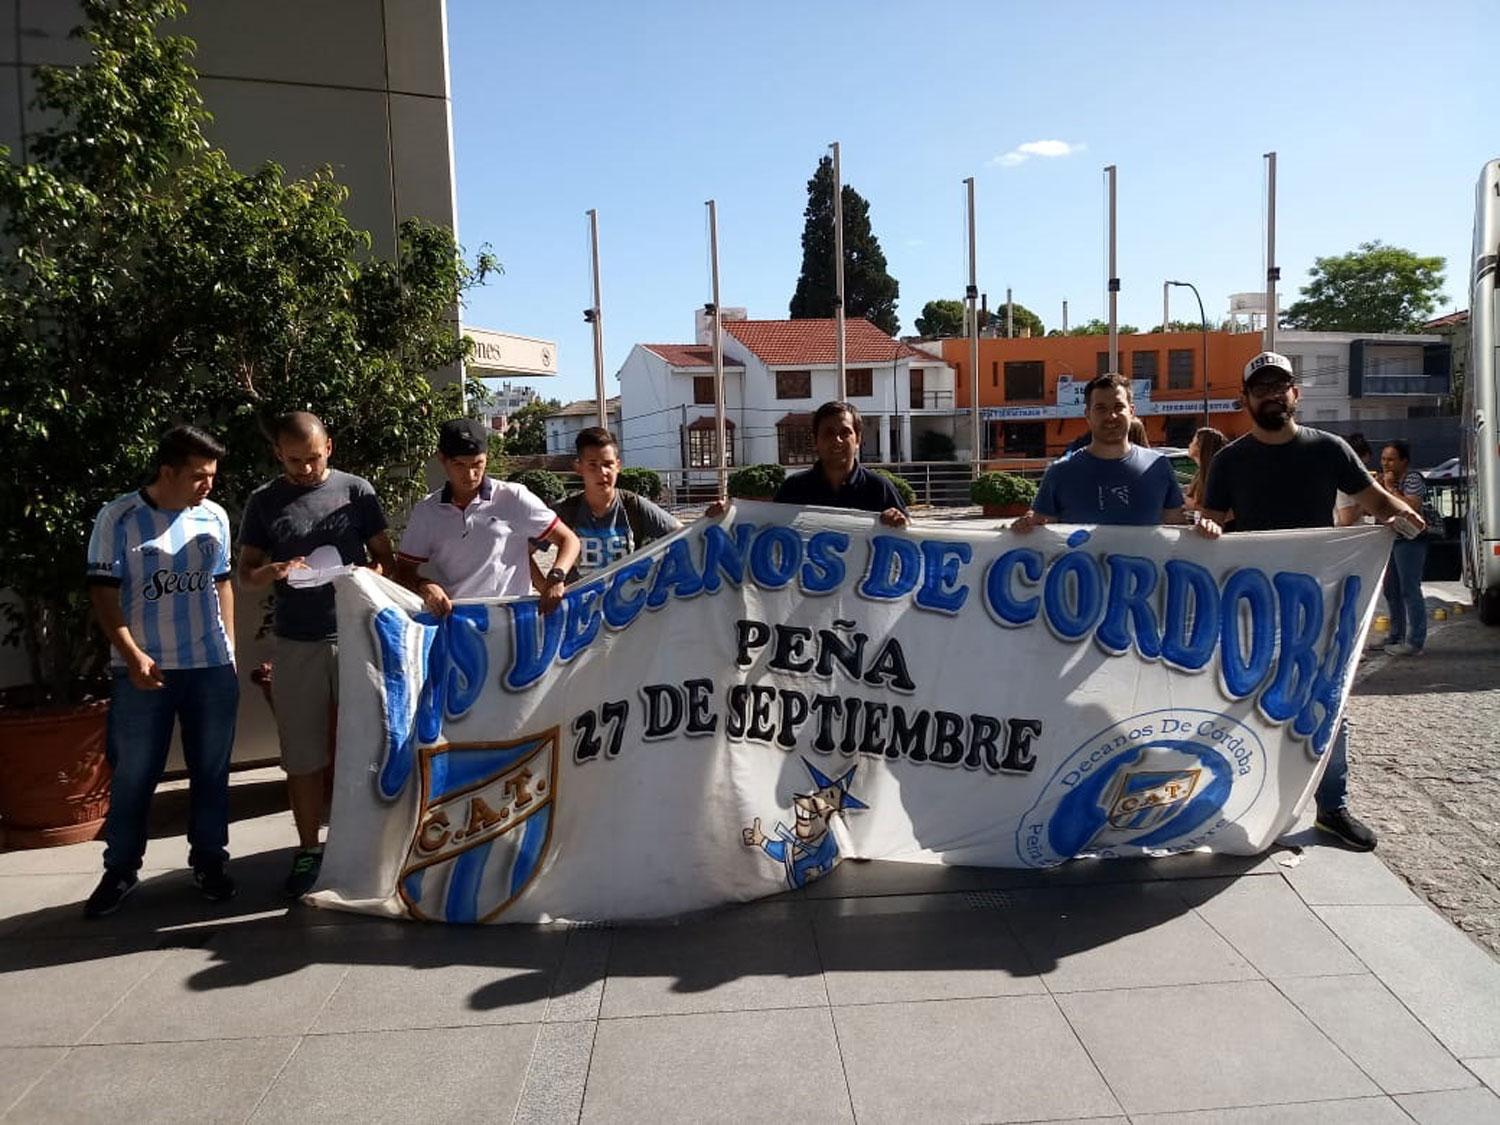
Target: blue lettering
(775, 556)
(456, 668)
(723, 555)
(895, 566)
(676, 576)
(940, 588)
(997, 585)
(1242, 673)
(823, 572)
(1192, 600)
(1073, 607)
(1132, 581)
(581, 626)
(531, 654)
(1328, 689)
(620, 611)
(1301, 625)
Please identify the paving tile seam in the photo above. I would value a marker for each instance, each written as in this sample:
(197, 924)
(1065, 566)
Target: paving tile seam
(146, 974)
(275, 1078)
(1084, 1047)
(838, 1046)
(5, 1111)
(588, 1070)
(1329, 930)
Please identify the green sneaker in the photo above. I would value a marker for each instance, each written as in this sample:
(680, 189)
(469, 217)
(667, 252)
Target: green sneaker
(305, 867)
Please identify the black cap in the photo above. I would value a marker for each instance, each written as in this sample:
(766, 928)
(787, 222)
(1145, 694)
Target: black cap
(462, 437)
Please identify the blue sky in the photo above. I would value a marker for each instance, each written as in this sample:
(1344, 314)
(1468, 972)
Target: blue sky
(1381, 114)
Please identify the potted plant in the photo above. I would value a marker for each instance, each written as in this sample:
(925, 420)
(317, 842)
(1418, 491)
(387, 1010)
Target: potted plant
(146, 282)
(901, 485)
(756, 482)
(1003, 495)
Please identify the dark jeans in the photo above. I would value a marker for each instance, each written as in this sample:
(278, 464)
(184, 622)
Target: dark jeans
(1403, 592)
(1333, 790)
(205, 701)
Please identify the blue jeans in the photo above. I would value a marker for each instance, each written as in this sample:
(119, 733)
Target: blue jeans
(1403, 592)
(205, 701)
(1333, 790)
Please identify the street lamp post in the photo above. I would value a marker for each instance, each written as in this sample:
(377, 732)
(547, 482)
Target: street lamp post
(1203, 322)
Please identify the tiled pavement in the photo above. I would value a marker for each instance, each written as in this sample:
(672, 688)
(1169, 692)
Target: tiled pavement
(1295, 987)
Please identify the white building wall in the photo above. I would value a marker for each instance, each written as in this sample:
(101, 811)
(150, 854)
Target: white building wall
(656, 399)
(563, 429)
(1322, 359)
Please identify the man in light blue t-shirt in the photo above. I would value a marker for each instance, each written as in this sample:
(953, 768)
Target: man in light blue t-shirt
(158, 575)
(1110, 480)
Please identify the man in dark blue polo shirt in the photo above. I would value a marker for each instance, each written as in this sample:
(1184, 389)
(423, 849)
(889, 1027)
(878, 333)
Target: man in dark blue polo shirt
(838, 480)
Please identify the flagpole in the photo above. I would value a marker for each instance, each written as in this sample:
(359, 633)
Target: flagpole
(1273, 273)
(719, 426)
(1114, 280)
(838, 272)
(596, 319)
(972, 295)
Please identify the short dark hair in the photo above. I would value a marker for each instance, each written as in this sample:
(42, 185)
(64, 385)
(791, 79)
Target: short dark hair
(1401, 446)
(182, 442)
(1360, 446)
(298, 425)
(595, 437)
(832, 410)
(1108, 379)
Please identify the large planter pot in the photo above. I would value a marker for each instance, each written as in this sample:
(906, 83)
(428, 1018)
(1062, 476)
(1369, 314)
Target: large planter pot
(54, 780)
(1004, 511)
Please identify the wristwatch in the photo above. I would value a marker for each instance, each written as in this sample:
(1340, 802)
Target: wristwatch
(556, 574)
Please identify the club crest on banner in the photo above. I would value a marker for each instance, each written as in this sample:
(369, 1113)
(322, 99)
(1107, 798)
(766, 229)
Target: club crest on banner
(484, 827)
(1158, 782)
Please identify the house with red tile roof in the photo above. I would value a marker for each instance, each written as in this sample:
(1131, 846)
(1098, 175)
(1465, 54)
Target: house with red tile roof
(776, 373)
(565, 424)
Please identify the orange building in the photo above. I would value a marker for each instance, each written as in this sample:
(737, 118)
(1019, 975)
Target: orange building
(1031, 388)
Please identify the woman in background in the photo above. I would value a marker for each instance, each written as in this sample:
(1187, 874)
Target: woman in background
(1202, 449)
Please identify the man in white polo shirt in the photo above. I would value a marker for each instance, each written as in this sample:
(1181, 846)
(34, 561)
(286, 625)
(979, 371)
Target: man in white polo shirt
(471, 538)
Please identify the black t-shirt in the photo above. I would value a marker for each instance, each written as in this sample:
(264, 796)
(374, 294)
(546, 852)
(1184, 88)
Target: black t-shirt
(864, 491)
(286, 520)
(1271, 487)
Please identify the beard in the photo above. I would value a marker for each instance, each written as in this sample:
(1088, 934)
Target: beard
(1274, 415)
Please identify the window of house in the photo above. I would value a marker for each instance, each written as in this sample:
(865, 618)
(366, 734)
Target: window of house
(1025, 381)
(794, 384)
(1101, 363)
(859, 380)
(703, 390)
(703, 449)
(1025, 439)
(794, 441)
(1181, 363)
(1324, 372)
(1143, 366)
(995, 373)
(917, 392)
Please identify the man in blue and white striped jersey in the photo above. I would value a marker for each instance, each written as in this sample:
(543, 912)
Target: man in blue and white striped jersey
(158, 574)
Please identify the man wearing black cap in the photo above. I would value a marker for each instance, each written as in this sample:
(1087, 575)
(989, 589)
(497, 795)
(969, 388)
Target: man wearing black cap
(1282, 475)
(470, 539)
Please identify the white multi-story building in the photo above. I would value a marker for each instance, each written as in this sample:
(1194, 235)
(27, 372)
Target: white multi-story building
(1357, 377)
(776, 373)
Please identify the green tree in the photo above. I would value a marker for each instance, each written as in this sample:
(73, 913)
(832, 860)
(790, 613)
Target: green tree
(1023, 321)
(942, 318)
(526, 429)
(1097, 327)
(869, 291)
(1375, 288)
(148, 283)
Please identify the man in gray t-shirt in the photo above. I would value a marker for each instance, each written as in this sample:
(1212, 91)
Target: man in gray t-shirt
(610, 522)
(309, 506)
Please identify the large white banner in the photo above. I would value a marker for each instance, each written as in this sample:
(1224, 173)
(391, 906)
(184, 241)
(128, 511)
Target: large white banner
(730, 712)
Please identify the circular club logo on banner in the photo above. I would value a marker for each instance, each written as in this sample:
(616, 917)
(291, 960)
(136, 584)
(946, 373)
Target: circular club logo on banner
(1161, 781)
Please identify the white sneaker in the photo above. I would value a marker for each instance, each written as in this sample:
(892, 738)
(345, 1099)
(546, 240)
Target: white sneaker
(1402, 649)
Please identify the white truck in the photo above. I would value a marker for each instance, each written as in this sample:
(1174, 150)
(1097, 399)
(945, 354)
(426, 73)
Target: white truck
(1480, 417)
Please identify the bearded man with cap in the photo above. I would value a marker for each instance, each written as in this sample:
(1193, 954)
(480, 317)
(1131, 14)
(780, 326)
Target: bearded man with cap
(471, 538)
(1284, 475)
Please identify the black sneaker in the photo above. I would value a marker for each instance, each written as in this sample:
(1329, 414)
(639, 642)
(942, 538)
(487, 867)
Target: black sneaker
(305, 867)
(1353, 832)
(214, 882)
(110, 892)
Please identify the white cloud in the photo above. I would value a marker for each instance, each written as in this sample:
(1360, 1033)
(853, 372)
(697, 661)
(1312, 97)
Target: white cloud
(1046, 149)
